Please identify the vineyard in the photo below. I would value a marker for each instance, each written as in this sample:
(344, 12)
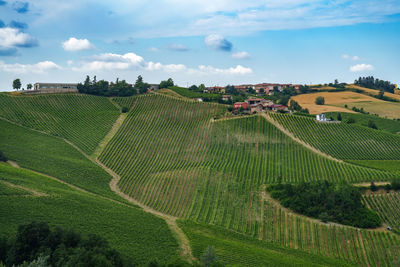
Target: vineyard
(342, 140)
(136, 234)
(81, 119)
(387, 205)
(173, 157)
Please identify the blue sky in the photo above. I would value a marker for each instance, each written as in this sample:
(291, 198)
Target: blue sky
(199, 41)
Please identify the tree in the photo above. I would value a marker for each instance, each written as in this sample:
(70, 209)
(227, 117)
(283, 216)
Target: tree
(209, 257)
(194, 88)
(373, 187)
(202, 87)
(29, 86)
(339, 117)
(320, 100)
(167, 83)
(17, 84)
(371, 124)
(3, 157)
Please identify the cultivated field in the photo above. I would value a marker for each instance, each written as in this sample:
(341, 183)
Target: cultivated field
(81, 119)
(342, 140)
(26, 196)
(336, 101)
(387, 205)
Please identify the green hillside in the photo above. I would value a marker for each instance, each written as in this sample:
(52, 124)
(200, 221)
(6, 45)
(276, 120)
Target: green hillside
(81, 119)
(342, 140)
(52, 156)
(136, 234)
(391, 126)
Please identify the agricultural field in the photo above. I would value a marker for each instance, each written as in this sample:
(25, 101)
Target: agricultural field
(234, 249)
(391, 126)
(387, 205)
(81, 119)
(373, 91)
(336, 101)
(342, 140)
(54, 157)
(386, 165)
(134, 233)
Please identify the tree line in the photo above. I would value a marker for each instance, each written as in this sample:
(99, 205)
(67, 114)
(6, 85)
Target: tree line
(372, 83)
(326, 201)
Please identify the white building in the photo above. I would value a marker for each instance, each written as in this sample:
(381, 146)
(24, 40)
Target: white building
(321, 117)
(44, 88)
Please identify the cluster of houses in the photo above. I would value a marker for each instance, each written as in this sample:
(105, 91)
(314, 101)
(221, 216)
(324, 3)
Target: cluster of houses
(261, 88)
(255, 105)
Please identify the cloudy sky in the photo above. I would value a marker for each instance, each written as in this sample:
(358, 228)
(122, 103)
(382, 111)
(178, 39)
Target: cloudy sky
(199, 41)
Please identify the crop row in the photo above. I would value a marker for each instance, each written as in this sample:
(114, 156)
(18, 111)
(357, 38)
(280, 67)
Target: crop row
(82, 119)
(342, 140)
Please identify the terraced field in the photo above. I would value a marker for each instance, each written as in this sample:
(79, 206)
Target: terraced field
(387, 205)
(341, 140)
(81, 119)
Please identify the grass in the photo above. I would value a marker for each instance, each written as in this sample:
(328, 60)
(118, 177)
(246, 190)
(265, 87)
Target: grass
(134, 233)
(81, 119)
(239, 250)
(52, 156)
(191, 94)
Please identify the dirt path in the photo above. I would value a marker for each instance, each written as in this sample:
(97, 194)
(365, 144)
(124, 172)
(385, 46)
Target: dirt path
(171, 220)
(280, 127)
(369, 184)
(34, 192)
(117, 124)
(13, 163)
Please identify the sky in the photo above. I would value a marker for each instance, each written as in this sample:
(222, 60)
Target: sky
(216, 42)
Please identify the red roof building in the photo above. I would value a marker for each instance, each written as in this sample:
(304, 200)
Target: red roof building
(239, 105)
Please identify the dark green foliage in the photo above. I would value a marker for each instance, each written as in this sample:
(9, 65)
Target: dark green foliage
(370, 82)
(61, 248)
(141, 86)
(350, 120)
(105, 88)
(209, 258)
(395, 184)
(326, 201)
(124, 109)
(166, 84)
(193, 88)
(320, 100)
(371, 124)
(373, 187)
(230, 89)
(17, 84)
(339, 117)
(3, 157)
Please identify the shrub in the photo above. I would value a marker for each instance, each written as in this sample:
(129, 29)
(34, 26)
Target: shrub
(395, 184)
(371, 124)
(373, 187)
(350, 120)
(3, 157)
(320, 100)
(125, 109)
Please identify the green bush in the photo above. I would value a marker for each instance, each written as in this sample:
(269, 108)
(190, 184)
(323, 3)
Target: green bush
(125, 109)
(320, 100)
(3, 157)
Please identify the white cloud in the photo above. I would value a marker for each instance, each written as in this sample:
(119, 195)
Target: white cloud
(345, 56)
(73, 44)
(40, 67)
(11, 37)
(355, 58)
(151, 66)
(218, 42)
(241, 55)
(236, 70)
(361, 67)
(110, 61)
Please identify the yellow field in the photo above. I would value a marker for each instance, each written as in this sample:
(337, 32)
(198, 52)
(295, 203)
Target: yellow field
(335, 101)
(374, 92)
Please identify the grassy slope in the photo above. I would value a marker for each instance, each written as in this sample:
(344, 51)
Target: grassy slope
(391, 126)
(343, 141)
(82, 119)
(133, 232)
(52, 156)
(237, 249)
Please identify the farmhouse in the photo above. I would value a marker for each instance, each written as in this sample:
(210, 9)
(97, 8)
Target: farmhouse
(226, 98)
(239, 105)
(321, 117)
(48, 88)
(214, 89)
(154, 87)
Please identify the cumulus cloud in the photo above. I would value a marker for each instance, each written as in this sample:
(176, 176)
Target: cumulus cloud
(73, 44)
(236, 70)
(110, 61)
(361, 67)
(178, 47)
(21, 7)
(10, 37)
(40, 67)
(241, 55)
(218, 42)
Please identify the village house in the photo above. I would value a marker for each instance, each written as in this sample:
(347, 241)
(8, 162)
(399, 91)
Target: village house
(243, 88)
(239, 105)
(278, 107)
(214, 89)
(226, 98)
